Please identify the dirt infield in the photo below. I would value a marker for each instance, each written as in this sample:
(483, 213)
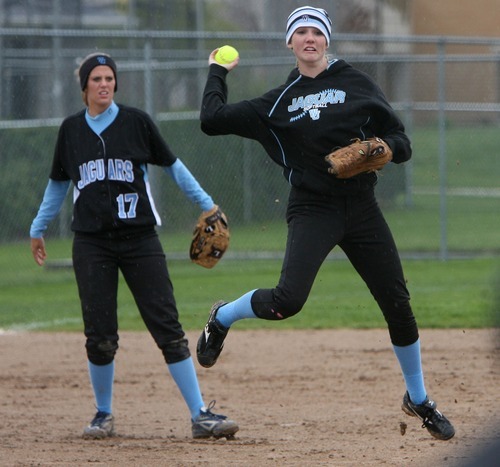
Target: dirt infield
(302, 398)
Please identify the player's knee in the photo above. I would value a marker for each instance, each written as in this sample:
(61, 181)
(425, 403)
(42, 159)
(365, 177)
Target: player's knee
(290, 308)
(101, 352)
(276, 304)
(176, 351)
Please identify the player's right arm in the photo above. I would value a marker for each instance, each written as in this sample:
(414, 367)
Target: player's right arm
(38, 250)
(50, 207)
(220, 118)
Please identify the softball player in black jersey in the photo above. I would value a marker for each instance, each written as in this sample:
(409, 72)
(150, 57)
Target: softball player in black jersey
(104, 151)
(325, 103)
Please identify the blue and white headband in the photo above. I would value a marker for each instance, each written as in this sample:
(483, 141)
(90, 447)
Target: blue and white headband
(309, 17)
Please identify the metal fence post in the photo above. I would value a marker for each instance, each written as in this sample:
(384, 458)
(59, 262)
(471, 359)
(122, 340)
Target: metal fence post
(408, 167)
(148, 78)
(65, 216)
(443, 212)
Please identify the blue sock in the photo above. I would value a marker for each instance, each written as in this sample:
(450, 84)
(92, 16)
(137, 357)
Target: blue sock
(101, 378)
(411, 366)
(234, 311)
(185, 377)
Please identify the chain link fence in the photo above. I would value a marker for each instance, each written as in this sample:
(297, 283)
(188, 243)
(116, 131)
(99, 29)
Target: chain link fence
(446, 89)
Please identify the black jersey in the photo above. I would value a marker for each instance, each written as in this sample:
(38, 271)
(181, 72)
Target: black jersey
(301, 121)
(109, 171)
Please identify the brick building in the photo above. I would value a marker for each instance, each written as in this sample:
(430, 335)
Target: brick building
(479, 18)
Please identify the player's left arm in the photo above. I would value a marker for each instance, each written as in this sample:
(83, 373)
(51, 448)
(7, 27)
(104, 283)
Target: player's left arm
(390, 128)
(398, 141)
(211, 234)
(189, 185)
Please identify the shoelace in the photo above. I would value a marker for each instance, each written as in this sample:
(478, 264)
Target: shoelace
(99, 417)
(214, 415)
(430, 417)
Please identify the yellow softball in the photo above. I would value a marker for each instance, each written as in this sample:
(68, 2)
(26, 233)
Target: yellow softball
(226, 54)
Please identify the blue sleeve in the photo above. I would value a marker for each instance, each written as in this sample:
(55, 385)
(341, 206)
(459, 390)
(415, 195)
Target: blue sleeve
(189, 185)
(53, 199)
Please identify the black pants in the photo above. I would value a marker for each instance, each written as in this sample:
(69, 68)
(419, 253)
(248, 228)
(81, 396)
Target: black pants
(316, 224)
(97, 260)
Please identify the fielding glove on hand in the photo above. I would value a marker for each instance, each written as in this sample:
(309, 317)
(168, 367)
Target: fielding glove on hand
(360, 156)
(210, 238)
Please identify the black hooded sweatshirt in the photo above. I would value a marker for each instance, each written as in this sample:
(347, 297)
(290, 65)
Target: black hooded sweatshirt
(304, 119)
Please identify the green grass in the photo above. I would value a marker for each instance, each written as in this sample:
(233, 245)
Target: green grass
(457, 293)
(472, 225)
(466, 166)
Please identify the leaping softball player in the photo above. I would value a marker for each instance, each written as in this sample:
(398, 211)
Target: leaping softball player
(325, 103)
